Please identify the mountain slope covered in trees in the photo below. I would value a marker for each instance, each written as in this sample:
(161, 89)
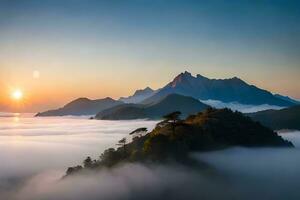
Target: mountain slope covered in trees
(174, 139)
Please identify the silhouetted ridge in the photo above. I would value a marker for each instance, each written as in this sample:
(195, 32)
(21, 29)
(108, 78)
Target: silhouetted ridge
(144, 91)
(138, 96)
(82, 106)
(170, 103)
(288, 118)
(287, 98)
(225, 90)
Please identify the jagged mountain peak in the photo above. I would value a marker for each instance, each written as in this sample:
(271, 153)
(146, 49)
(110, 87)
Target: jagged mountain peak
(143, 91)
(186, 78)
(225, 90)
(138, 96)
(237, 80)
(182, 78)
(184, 74)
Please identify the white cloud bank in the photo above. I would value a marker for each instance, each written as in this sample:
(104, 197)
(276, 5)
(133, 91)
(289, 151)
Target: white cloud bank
(237, 173)
(244, 108)
(29, 146)
(32, 165)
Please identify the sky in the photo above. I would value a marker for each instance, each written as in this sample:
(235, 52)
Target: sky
(58, 50)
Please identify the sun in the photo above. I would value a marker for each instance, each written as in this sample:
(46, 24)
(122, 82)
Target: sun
(17, 94)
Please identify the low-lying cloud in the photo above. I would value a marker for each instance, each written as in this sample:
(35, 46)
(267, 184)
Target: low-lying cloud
(30, 146)
(244, 108)
(130, 181)
(33, 164)
(237, 173)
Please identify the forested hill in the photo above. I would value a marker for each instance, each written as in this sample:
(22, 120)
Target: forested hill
(175, 139)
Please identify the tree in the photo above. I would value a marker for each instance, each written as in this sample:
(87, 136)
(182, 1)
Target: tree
(71, 170)
(138, 132)
(122, 143)
(88, 163)
(172, 118)
(109, 157)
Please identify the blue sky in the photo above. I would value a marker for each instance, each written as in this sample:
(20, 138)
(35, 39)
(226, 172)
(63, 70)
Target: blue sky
(110, 48)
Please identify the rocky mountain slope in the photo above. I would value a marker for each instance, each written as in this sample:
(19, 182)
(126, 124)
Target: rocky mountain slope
(225, 90)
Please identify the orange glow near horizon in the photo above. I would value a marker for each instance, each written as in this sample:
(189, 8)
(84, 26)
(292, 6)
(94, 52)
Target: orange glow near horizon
(27, 91)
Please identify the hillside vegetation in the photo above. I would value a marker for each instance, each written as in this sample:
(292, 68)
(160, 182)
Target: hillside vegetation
(174, 139)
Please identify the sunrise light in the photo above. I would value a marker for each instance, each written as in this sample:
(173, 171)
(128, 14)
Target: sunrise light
(17, 94)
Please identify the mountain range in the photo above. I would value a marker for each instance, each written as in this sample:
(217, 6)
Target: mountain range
(173, 102)
(225, 90)
(197, 87)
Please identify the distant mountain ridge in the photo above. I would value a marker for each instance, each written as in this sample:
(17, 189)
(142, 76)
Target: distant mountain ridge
(198, 87)
(225, 90)
(138, 96)
(288, 118)
(82, 106)
(287, 98)
(173, 102)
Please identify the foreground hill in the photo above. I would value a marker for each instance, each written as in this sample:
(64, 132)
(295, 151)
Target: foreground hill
(288, 118)
(225, 90)
(82, 106)
(186, 105)
(174, 140)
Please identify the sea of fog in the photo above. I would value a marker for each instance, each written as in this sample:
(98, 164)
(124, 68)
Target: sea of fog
(35, 153)
(236, 106)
